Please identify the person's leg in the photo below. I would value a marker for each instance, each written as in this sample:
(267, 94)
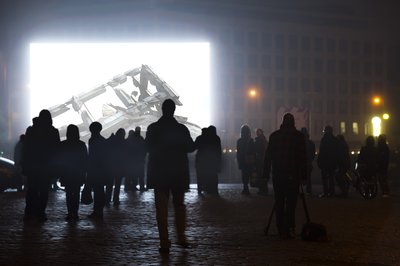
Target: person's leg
(31, 197)
(141, 178)
(117, 189)
(180, 215)
(308, 182)
(75, 199)
(44, 184)
(199, 177)
(99, 198)
(161, 197)
(68, 199)
(383, 182)
(245, 180)
(331, 183)
(292, 194)
(340, 179)
(279, 196)
(214, 184)
(109, 190)
(325, 182)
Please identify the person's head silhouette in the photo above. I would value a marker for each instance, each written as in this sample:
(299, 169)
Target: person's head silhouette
(288, 120)
(72, 132)
(168, 108)
(95, 128)
(45, 117)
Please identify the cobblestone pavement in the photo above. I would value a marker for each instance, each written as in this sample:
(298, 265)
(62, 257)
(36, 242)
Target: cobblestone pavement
(223, 231)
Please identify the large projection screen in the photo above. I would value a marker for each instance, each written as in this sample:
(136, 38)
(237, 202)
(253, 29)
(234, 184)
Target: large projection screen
(59, 71)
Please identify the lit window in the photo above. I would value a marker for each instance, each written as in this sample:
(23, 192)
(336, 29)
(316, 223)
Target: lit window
(342, 127)
(355, 128)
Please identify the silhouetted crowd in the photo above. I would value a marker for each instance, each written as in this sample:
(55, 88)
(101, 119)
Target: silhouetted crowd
(103, 164)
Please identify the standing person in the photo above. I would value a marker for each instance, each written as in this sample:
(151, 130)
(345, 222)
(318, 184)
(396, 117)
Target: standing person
(136, 154)
(327, 161)
(383, 165)
(41, 145)
(18, 149)
(73, 160)
(310, 150)
(215, 159)
(367, 160)
(97, 169)
(200, 160)
(168, 143)
(208, 160)
(245, 156)
(344, 165)
(117, 165)
(260, 146)
(286, 158)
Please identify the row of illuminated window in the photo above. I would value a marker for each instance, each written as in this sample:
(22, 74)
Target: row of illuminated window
(279, 85)
(316, 106)
(303, 64)
(269, 125)
(304, 43)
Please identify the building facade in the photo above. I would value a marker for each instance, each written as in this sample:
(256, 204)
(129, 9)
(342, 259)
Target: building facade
(322, 58)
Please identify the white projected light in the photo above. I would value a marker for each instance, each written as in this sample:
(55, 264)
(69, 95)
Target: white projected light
(60, 72)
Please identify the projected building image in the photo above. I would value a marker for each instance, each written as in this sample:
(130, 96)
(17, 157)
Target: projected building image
(120, 85)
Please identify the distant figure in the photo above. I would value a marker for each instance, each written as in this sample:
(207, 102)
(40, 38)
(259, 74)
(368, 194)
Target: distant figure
(136, 155)
(117, 163)
(383, 165)
(215, 157)
(327, 161)
(245, 156)
(18, 152)
(344, 165)
(201, 160)
(286, 158)
(168, 143)
(97, 169)
(260, 146)
(367, 160)
(42, 141)
(73, 157)
(208, 160)
(310, 150)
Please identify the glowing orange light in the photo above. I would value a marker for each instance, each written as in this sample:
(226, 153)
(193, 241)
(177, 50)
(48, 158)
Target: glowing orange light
(377, 100)
(253, 93)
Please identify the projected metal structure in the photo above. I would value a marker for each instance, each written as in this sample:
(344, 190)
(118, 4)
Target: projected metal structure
(140, 107)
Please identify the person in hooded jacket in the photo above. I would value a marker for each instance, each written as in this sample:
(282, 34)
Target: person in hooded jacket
(344, 165)
(38, 164)
(260, 145)
(73, 159)
(245, 157)
(208, 160)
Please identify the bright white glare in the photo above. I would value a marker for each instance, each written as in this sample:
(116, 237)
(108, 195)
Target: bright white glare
(60, 70)
(376, 125)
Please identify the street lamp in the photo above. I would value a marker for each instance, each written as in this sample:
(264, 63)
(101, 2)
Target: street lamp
(253, 93)
(385, 116)
(376, 100)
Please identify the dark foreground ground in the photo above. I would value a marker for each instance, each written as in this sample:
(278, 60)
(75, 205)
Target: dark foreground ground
(223, 231)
